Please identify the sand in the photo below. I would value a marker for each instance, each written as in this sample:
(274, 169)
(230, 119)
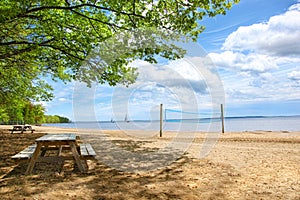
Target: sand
(141, 165)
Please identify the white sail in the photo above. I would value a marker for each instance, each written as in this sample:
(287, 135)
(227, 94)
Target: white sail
(126, 118)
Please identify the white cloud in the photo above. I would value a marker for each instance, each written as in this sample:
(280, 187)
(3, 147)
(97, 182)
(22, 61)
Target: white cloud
(251, 62)
(262, 47)
(260, 59)
(294, 75)
(63, 99)
(179, 75)
(280, 36)
(174, 85)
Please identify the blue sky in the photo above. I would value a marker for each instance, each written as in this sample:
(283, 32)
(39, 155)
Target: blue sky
(247, 60)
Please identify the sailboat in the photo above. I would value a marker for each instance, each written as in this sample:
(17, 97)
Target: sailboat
(126, 118)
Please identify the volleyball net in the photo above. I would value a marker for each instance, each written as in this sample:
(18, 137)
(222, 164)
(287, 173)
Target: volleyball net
(173, 115)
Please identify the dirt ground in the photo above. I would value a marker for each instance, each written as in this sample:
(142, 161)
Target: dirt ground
(246, 165)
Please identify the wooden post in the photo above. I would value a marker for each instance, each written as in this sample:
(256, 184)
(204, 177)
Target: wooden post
(161, 120)
(222, 118)
(33, 158)
(76, 156)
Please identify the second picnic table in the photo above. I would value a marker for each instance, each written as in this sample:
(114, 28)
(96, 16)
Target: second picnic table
(58, 141)
(21, 128)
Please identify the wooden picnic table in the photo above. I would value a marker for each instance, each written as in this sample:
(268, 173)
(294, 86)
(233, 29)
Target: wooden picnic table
(36, 152)
(21, 128)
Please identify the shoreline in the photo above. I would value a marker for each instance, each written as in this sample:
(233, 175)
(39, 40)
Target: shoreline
(166, 134)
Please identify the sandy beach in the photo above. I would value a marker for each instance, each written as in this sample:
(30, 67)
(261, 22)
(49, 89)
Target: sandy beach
(141, 165)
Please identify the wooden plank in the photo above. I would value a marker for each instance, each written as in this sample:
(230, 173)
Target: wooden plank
(83, 150)
(52, 159)
(90, 150)
(26, 153)
(22, 156)
(56, 143)
(87, 150)
(57, 137)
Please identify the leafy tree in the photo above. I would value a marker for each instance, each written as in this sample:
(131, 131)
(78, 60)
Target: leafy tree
(54, 37)
(18, 86)
(28, 114)
(3, 115)
(39, 114)
(14, 110)
(61, 38)
(33, 113)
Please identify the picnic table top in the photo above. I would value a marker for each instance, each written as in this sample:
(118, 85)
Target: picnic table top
(57, 137)
(17, 126)
(22, 126)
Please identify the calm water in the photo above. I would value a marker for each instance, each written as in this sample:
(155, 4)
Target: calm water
(231, 124)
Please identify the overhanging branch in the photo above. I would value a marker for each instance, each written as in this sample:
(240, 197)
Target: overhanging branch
(31, 47)
(71, 8)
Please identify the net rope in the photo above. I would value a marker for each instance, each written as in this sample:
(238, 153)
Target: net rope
(179, 115)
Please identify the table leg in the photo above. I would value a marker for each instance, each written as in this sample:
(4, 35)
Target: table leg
(43, 152)
(59, 150)
(33, 158)
(76, 156)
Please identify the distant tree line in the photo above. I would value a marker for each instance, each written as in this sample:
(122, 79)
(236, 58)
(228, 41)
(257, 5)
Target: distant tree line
(27, 113)
(56, 119)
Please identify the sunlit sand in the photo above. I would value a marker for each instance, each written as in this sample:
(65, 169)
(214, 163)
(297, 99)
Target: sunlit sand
(239, 165)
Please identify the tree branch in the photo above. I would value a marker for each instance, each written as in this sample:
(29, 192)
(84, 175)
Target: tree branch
(79, 6)
(16, 42)
(8, 55)
(67, 2)
(97, 20)
(63, 51)
(94, 28)
(30, 48)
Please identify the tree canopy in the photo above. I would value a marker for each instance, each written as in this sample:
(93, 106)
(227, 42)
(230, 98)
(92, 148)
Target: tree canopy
(52, 38)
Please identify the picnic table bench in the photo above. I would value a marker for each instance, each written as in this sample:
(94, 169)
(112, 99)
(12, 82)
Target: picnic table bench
(26, 153)
(85, 150)
(36, 152)
(21, 128)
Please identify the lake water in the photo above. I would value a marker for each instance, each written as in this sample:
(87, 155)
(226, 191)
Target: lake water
(291, 123)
